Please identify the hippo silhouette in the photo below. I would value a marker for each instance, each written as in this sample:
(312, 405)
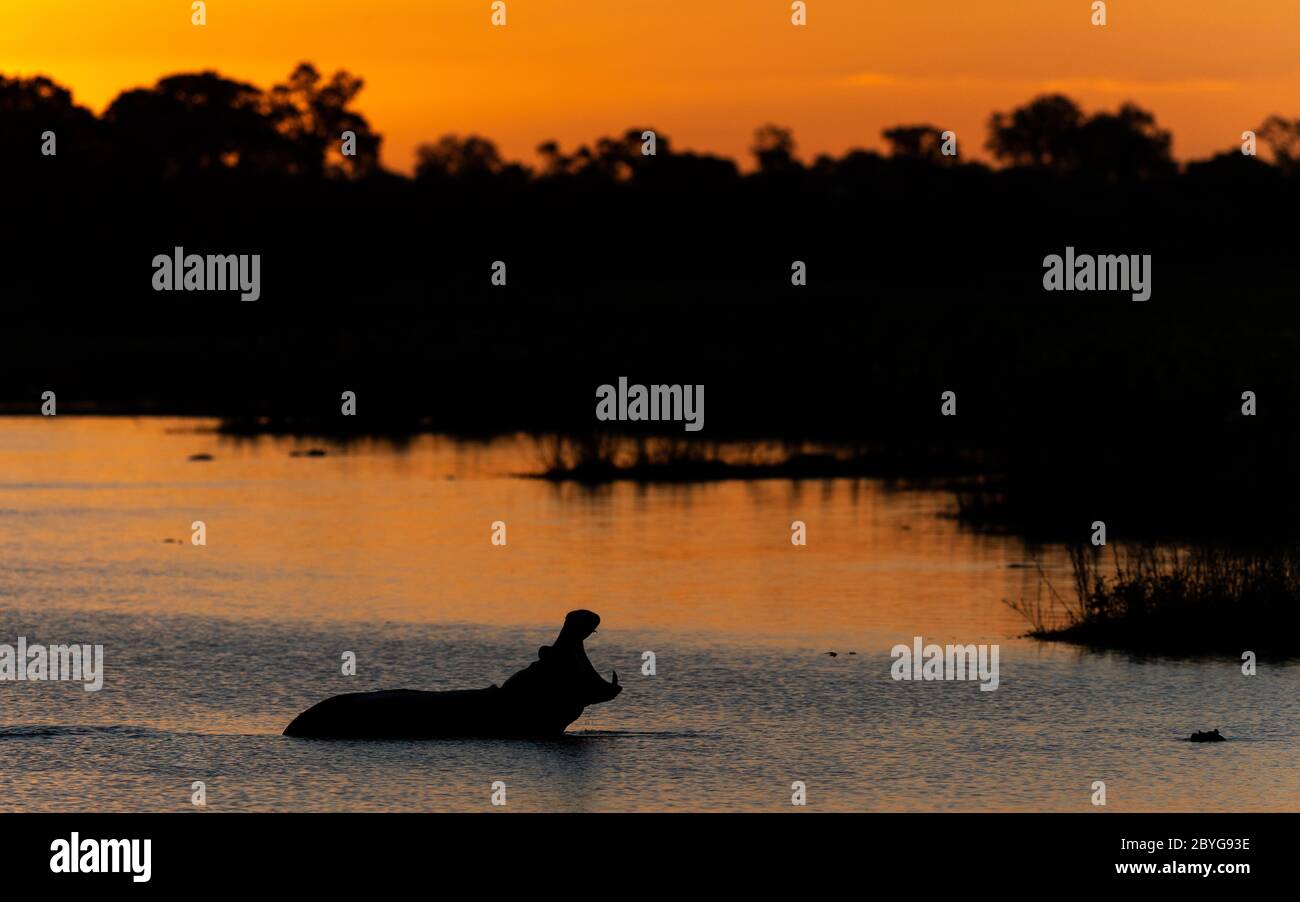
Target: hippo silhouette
(539, 701)
(1211, 736)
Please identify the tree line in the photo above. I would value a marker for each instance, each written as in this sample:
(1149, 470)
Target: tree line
(203, 124)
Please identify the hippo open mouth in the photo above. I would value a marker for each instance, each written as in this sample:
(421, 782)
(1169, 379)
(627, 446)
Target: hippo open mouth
(539, 701)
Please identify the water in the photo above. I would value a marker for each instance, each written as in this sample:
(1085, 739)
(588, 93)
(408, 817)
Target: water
(385, 552)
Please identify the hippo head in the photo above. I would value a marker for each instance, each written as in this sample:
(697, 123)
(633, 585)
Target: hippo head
(578, 625)
(551, 692)
(603, 691)
(581, 677)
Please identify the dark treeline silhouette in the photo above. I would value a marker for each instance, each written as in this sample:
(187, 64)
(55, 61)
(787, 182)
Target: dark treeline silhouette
(925, 274)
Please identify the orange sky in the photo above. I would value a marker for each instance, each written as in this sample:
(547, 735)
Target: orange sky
(703, 72)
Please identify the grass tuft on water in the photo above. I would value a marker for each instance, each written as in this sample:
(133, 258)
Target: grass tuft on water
(1174, 601)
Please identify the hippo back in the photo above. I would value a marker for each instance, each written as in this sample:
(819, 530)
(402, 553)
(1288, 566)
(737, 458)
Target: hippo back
(403, 714)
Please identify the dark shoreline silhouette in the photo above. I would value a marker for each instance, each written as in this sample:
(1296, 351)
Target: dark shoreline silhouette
(924, 275)
(538, 702)
(1174, 601)
(597, 460)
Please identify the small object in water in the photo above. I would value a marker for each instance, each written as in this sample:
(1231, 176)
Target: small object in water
(169, 541)
(853, 652)
(1211, 736)
(832, 654)
(310, 452)
(200, 457)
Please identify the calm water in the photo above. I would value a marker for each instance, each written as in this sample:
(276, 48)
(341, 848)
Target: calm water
(385, 552)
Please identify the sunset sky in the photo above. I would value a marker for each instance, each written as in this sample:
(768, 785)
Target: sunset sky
(702, 72)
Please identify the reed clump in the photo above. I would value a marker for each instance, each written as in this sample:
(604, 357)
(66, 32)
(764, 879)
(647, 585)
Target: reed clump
(1174, 600)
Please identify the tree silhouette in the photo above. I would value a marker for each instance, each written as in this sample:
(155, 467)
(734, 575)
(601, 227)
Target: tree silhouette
(916, 142)
(773, 148)
(452, 157)
(1282, 136)
(620, 159)
(554, 161)
(31, 106)
(1052, 133)
(202, 124)
(1125, 145)
(313, 114)
(195, 125)
(1040, 134)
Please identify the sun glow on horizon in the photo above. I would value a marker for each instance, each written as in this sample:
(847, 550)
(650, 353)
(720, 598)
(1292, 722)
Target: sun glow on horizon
(704, 74)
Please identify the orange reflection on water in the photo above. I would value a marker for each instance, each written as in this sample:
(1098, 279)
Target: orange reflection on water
(379, 532)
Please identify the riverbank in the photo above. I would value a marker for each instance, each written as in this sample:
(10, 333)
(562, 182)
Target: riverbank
(1175, 601)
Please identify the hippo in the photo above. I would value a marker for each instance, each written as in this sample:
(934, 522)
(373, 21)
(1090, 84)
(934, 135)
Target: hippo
(1211, 736)
(538, 702)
